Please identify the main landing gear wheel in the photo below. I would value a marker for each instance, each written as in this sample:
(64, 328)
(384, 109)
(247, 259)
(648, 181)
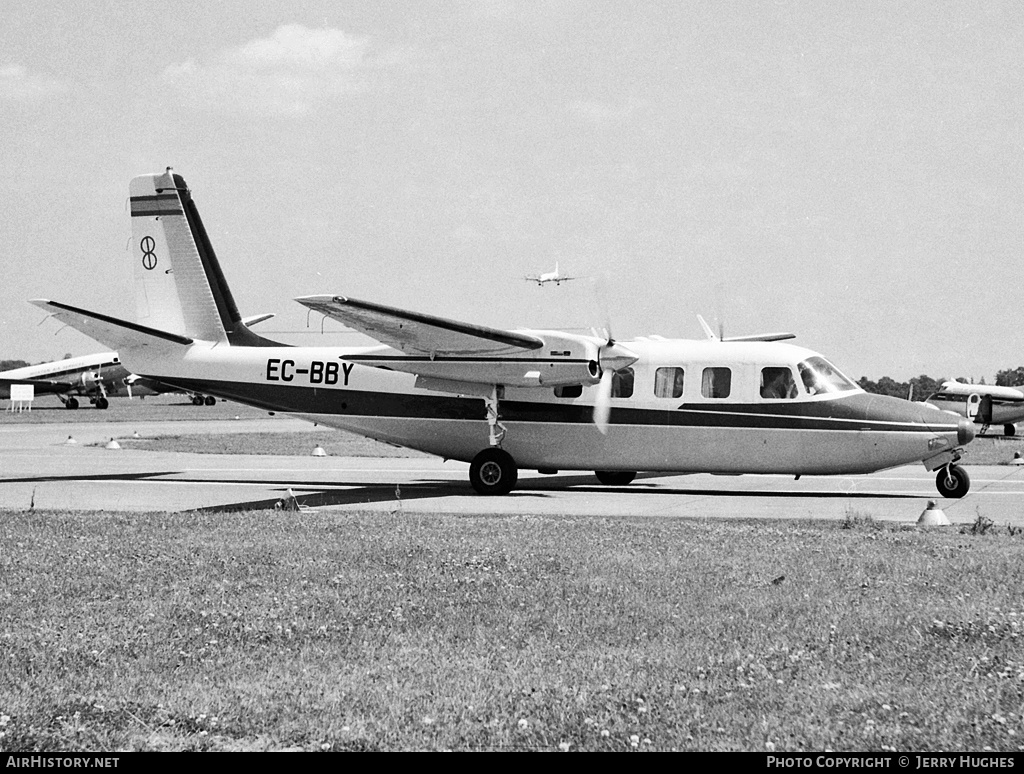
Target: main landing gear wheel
(197, 400)
(209, 400)
(102, 403)
(953, 481)
(493, 472)
(71, 404)
(615, 477)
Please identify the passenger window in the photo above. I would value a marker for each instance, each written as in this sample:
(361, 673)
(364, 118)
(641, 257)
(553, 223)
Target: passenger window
(622, 383)
(668, 383)
(717, 383)
(777, 383)
(569, 391)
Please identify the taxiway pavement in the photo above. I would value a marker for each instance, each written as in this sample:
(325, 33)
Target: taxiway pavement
(41, 469)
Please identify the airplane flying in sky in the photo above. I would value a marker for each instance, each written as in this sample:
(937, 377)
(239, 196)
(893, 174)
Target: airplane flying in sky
(555, 276)
(505, 400)
(987, 405)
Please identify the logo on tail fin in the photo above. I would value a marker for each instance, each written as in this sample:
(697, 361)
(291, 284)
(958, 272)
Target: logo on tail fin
(148, 246)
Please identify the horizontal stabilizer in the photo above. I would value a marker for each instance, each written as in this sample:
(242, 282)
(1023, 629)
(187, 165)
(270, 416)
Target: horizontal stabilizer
(109, 331)
(752, 337)
(762, 337)
(417, 333)
(248, 322)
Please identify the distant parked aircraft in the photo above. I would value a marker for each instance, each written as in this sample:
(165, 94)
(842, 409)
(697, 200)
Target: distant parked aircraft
(985, 404)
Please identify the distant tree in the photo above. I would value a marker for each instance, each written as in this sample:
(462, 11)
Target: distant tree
(918, 388)
(924, 386)
(1010, 378)
(7, 365)
(885, 386)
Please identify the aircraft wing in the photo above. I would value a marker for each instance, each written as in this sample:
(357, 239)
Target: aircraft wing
(416, 333)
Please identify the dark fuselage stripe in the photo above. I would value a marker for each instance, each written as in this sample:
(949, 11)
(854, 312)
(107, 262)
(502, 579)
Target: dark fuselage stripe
(357, 403)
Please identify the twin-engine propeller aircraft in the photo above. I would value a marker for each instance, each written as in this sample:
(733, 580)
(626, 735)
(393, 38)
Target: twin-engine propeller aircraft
(503, 400)
(986, 405)
(549, 276)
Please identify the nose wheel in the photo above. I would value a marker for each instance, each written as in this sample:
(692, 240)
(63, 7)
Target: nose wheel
(493, 472)
(952, 481)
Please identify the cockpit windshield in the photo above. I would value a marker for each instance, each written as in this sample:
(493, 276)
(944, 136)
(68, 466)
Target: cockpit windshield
(820, 376)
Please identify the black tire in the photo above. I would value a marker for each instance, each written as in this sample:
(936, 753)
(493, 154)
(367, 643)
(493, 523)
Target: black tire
(102, 403)
(953, 482)
(1009, 430)
(71, 404)
(493, 472)
(615, 477)
(209, 400)
(197, 400)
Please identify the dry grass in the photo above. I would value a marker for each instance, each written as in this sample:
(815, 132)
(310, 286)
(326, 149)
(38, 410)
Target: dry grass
(318, 630)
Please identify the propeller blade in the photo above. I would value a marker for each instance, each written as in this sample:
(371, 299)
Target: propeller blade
(603, 401)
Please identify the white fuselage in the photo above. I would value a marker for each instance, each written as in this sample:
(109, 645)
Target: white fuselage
(660, 426)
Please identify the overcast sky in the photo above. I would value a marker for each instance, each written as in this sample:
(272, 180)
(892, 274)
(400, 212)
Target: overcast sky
(848, 171)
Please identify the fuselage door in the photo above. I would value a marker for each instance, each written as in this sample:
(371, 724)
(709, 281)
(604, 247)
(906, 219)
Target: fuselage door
(973, 404)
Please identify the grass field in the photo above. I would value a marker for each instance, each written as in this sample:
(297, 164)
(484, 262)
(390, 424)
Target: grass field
(251, 631)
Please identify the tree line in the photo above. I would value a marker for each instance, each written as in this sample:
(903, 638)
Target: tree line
(920, 387)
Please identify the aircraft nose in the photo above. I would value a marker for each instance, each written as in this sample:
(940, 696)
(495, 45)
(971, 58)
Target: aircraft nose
(964, 431)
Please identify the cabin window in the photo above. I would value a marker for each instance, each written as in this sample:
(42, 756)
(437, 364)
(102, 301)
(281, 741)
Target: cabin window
(668, 382)
(777, 383)
(820, 376)
(622, 383)
(569, 391)
(716, 383)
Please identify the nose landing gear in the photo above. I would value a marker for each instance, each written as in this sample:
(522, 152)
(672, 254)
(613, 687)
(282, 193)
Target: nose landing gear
(952, 481)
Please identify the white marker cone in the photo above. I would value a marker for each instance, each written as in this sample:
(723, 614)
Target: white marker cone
(113, 444)
(319, 451)
(70, 441)
(1017, 459)
(932, 516)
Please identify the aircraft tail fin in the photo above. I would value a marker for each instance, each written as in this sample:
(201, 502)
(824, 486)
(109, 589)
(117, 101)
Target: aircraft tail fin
(179, 286)
(117, 334)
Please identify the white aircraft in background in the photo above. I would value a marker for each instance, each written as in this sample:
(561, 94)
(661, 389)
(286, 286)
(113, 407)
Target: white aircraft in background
(503, 400)
(551, 276)
(93, 377)
(986, 405)
(97, 378)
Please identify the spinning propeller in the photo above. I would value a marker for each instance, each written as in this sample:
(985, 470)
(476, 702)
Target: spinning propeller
(611, 357)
